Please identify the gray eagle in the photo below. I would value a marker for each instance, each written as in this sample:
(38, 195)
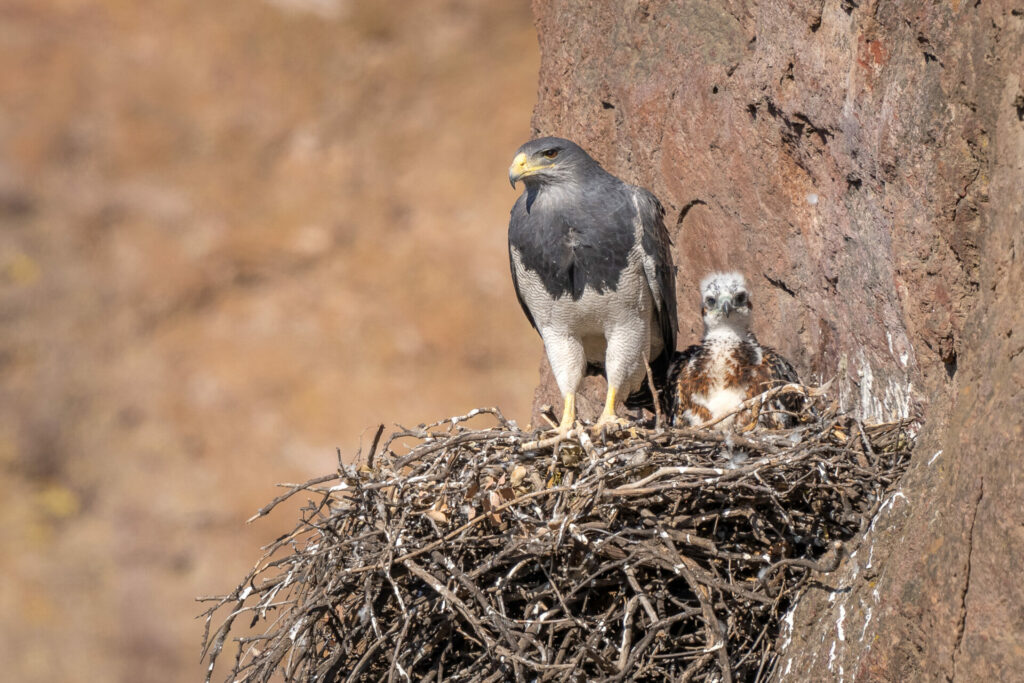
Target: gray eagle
(592, 268)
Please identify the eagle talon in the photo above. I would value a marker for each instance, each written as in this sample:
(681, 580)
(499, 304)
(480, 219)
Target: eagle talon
(609, 421)
(613, 421)
(567, 428)
(612, 424)
(552, 438)
(562, 432)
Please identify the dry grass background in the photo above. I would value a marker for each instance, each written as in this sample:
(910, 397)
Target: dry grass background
(234, 236)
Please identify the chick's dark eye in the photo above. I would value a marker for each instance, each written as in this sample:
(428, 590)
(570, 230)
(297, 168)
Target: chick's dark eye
(550, 153)
(741, 298)
(709, 301)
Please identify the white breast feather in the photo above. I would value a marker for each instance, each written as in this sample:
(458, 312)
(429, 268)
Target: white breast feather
(721, 399)
(613, 326)
(628, 309)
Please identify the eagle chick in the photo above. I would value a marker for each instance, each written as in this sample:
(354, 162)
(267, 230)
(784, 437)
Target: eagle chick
(711, 379)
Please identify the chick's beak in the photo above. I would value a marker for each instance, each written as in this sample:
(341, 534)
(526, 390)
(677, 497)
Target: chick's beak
(726, 306)
(518, 169)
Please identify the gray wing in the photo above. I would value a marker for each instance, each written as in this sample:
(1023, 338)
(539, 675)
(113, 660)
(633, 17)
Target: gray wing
(682, 383)
(781, 369)
(515, 286)
(782, 372)
(516, 219)
(658, 267)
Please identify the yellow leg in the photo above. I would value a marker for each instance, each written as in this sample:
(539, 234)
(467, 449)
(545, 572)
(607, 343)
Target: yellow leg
(568, 413)
(564, 427)
(609, 407)
(608, 416)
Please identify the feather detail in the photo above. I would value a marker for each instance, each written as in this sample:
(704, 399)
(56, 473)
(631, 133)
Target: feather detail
(712, 379)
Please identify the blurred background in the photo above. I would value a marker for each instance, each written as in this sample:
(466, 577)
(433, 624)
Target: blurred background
(234, 235)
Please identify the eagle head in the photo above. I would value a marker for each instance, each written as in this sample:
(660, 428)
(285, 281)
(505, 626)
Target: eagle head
(548, 160)
(725, 302)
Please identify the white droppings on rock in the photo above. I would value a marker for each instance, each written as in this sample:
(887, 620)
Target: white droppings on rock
(839, 623)
(867, 620)
(788, 622)
(885, 505)
(896, 400)
(867, 381)
(812, 199)
(937, 454)
(880, 399)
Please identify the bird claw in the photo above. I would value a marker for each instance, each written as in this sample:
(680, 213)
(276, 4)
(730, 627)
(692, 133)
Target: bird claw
(610, 424)
(553, 437)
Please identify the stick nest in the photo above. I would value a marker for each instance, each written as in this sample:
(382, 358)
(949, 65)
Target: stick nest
(455, 554)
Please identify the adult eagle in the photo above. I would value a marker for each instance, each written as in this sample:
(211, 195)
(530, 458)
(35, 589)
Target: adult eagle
(710, 380)
(592, 268)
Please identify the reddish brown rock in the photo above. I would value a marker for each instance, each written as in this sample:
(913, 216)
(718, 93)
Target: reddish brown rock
(862, 163)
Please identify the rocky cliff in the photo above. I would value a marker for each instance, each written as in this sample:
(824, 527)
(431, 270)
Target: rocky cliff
(862, 163)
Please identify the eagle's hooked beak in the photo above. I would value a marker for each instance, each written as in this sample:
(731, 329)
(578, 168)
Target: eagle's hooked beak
(519, 168)
(726, 306)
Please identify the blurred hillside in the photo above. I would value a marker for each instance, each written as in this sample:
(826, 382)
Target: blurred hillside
(235, 235)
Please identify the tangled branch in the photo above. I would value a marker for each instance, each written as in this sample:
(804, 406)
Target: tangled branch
(643, 555)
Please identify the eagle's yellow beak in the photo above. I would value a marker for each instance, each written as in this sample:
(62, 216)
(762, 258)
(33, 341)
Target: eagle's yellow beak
(520, 168)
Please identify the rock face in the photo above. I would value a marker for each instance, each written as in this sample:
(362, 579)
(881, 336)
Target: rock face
(862, 164)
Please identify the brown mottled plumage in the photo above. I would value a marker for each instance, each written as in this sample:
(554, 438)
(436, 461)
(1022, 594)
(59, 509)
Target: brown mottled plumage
(709, 380)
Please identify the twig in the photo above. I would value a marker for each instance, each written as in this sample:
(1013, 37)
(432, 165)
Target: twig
(652, 554)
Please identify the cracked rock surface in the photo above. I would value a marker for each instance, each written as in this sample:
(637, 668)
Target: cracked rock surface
(861, 163)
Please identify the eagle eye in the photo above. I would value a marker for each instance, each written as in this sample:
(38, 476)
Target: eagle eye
(741, 299)
(550, 153)
(709, 301)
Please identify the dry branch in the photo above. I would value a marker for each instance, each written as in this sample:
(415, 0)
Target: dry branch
(645, 555)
